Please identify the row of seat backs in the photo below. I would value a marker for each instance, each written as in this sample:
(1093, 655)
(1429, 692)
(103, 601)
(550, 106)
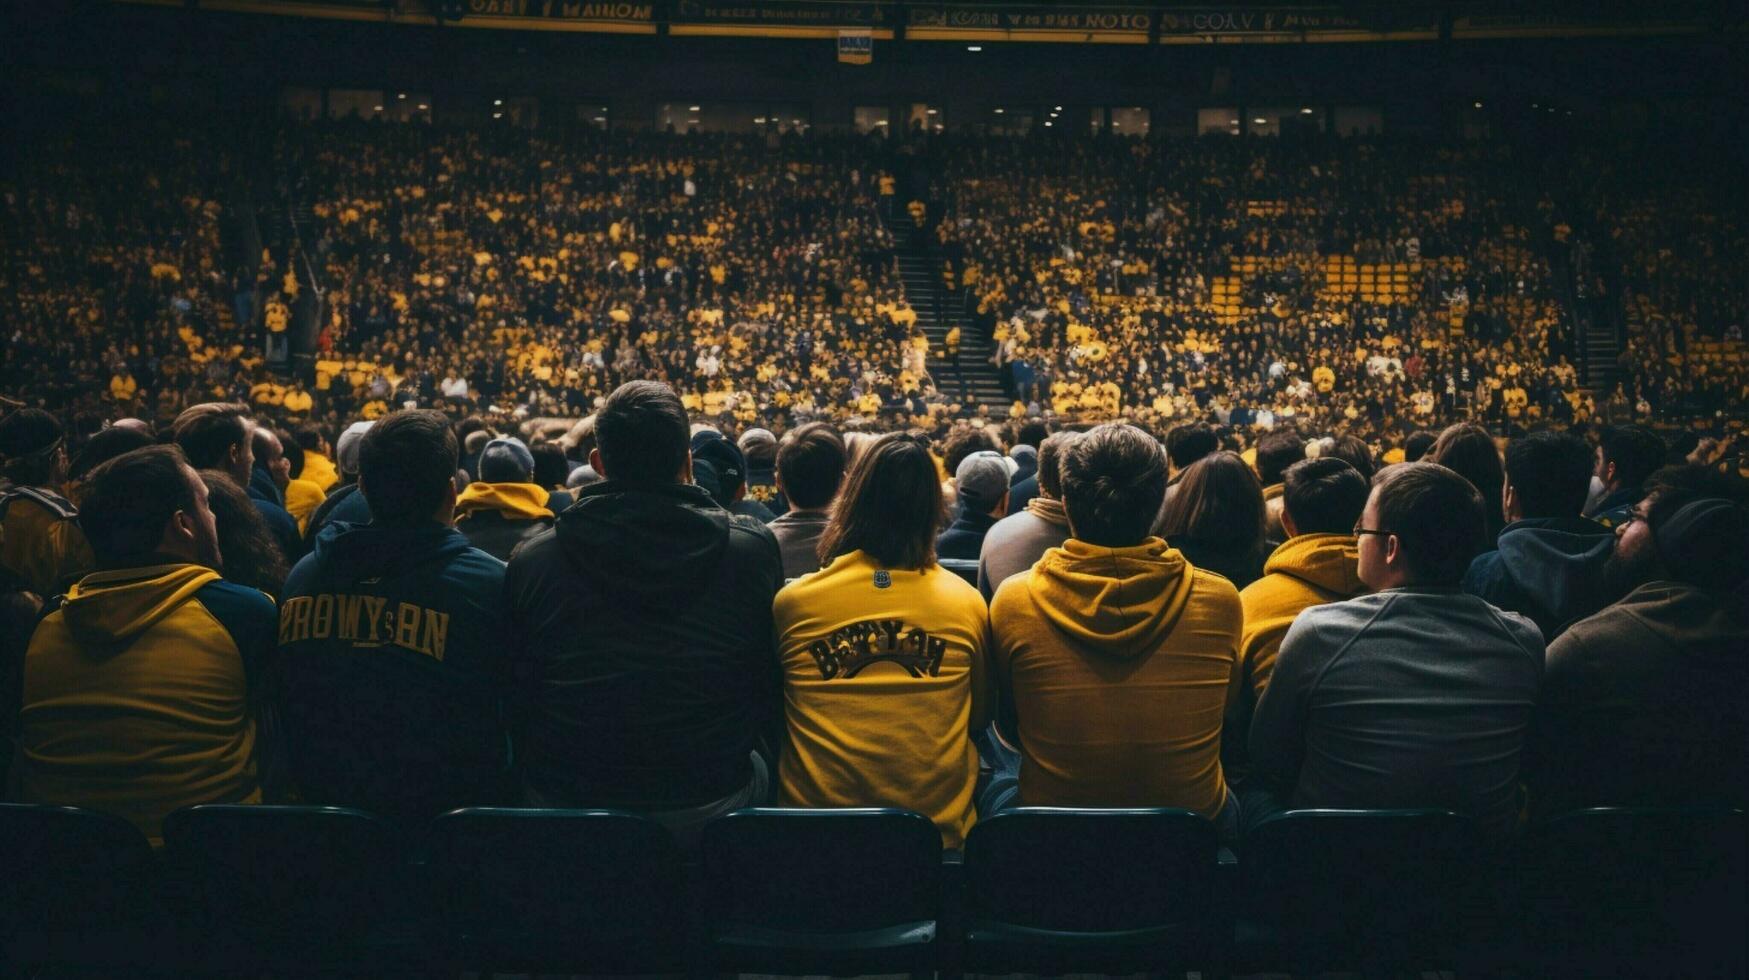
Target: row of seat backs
(867, 890)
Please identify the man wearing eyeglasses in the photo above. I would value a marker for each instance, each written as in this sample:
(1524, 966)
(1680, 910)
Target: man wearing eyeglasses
(1417, 695)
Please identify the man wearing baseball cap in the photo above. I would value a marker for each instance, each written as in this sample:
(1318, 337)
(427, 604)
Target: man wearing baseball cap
(1642, 702)
(344, 504)
(504, 507)
(982, 484)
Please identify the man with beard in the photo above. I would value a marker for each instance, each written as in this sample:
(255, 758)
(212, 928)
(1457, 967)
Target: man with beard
(142, 685)
(1642, 702)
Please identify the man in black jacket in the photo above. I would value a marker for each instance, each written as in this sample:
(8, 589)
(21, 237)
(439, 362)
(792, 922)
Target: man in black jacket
(504, 507)
(641, 627)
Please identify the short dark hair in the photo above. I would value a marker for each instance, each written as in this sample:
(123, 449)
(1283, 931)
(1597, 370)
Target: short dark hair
(890, 507)
(406, 465)
(1323, 496)
(1550, 473)
(1189, 442)
(642, 434)
(1032, 432)
(128, 500)
(1437, 514)
(1050, 462)
(28, 438)
(207, 432)
(309, 437)
(251, 555)
(1276, 452)
(1635, 450)
(551, 469)
(294, 453)
(963, 442)
(1354, 451)
(810, 462)
(1417, 445)
(105, 446)
(1114, 478)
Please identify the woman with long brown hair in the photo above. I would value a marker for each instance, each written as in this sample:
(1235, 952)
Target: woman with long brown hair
(883, 652)
(1215, 518)
(1468, 450)
(248, 551)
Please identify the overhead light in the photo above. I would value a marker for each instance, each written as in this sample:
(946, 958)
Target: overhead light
(1260, 121)
(1232, 122)
(1058, 108)
(400, 95)
(692, 108)
(1000, 111)
(377, 109)
(935, 112)
(497, 101)
(423, 107)
(601, 119)
(1053, 115)
(1478, 105)
(497, 115)
(1048, 122)
(1533, 105)
(758, 120)
(1306, 111)
(974, 48)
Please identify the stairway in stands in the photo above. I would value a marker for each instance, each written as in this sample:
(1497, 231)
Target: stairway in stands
(1601, 350)
(920, 269)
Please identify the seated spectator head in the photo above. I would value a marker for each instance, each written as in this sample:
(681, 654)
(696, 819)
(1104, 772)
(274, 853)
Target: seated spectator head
(1417, 445)
(474, 443)
(551, 468)
(1548, 474)
(270, 455)
(1113, 479)
(1691, 527)
(217, 436)
(1626, 455)
(981, 483)
(720, 468)
(1322, 496)
(251, 555)
(582, 476)
(406, 469)
(506, 460)
(32, 448)
(810, 466)
(294, 455)
(312, 439)
(1354, 451)
(105, 446)
(470, 425)
(1276, 452)
(1469, 451)
(964, 441)
(642, 436)
(1050, 463)
(1422, 525)
(1032, 432)
(759, 446)
(890, 507)
(1189, 442)
(346, 450)
(147, 506)
(1218, 502)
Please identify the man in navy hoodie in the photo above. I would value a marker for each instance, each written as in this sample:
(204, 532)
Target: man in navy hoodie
(1549, 561)
(391, 660)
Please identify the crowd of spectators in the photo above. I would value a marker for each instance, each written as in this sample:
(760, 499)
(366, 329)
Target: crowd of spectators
(1131, 621)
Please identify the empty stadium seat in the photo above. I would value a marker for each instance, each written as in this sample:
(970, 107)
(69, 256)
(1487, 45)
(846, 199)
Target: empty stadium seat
(822, 891)
(1635, 891)
(558, 891)
(292, 887)
(78, 891)
(1377, 890)
(1052, 890)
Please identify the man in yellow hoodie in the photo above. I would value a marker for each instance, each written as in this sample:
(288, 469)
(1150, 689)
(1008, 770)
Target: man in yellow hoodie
(319, 465)
(41, 548)
(504, 507)
(141, 687)
(1321, 501)
(1114, 656)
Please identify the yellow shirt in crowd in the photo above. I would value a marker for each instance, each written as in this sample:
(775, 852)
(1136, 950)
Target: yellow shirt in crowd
(883, 685)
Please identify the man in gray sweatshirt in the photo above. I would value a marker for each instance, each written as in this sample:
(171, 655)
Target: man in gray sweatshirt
(1017, 541)
(1417, 695)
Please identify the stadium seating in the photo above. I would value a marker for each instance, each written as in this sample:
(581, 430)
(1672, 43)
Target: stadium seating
(965, 568)
(811, 891)
(1121, 891)
(1659, 892)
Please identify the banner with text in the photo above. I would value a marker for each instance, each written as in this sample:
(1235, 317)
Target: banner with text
(856, 46)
